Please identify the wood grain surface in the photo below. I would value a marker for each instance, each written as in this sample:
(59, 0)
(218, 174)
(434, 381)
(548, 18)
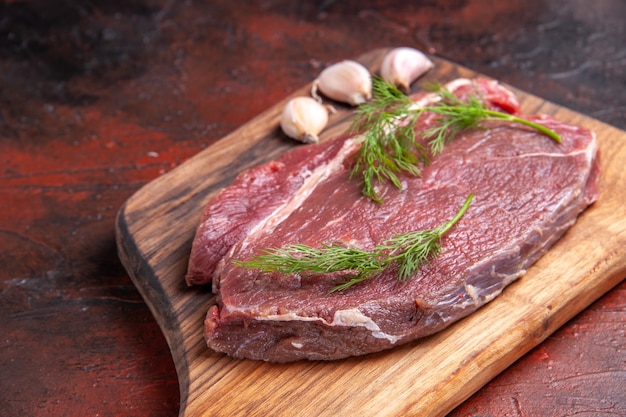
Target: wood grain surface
(430, 377)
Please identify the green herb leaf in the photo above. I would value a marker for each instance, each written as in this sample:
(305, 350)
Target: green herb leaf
(408, 251)
(387, 123)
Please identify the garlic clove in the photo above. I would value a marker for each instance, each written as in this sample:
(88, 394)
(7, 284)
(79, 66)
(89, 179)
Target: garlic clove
(303, 118)
(346, 81)
(402, 66)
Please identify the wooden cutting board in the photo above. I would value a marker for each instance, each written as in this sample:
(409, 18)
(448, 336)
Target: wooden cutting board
(430, 377)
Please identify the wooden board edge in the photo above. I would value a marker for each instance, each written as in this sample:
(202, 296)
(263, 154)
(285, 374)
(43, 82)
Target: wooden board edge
(142, 268)
(151, 290)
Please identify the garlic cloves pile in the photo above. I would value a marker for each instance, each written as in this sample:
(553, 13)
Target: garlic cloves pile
(402, 66)
(346, 81)
(303, 118)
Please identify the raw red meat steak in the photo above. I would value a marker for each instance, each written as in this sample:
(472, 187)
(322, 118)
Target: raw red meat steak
(528, 191)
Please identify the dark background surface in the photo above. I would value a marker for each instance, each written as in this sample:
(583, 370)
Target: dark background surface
(99, 97)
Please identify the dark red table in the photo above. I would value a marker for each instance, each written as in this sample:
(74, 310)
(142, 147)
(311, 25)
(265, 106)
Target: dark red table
(100, 97)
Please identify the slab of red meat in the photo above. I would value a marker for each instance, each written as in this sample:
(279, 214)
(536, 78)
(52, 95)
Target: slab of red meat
(252, 197)
(257, 192)
(528, 191)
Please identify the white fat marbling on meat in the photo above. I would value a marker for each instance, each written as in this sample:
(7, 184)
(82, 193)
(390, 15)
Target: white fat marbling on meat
(349, 318)
(508, 279)
(314, 178)
(475, 299)
(472, 292)
(592, 150)
(553, 155)
(354, 317)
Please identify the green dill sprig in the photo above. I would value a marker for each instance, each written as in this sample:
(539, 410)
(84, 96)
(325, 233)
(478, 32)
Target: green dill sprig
(389, 142)
(457, 115)
(408, 251)
(390, 146)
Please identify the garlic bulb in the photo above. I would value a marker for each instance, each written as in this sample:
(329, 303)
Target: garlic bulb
(346, 81)
(402, 66)
(303, 118)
